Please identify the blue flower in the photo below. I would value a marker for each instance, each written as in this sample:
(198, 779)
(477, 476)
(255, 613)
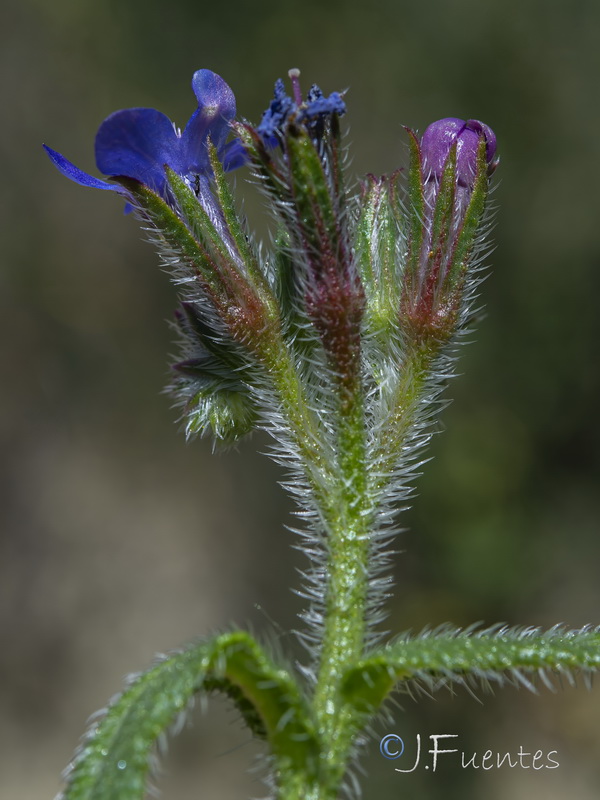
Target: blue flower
(312, 112)
(317, 105)
(138, 142)
(273, 118)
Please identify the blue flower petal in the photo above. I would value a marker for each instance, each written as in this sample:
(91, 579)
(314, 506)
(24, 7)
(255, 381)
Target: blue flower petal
(213, 94)
(233, 155)
(137, 143)
(216, 109)
(318, 104)
(194, 153)
(78, 175)
(273, 119)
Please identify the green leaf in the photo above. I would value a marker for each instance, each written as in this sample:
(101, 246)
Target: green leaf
(456, 655)
(113, 761)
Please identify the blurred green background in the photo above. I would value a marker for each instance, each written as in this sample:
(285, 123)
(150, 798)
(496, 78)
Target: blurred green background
(119, 540)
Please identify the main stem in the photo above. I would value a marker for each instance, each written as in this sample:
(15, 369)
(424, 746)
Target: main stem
(340, 492)
(350, 516)
(348, 543)
(346, 495)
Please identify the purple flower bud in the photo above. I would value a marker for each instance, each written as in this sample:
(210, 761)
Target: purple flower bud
(439, 138)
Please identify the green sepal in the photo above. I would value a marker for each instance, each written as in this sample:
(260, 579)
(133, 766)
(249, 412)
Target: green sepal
(376, 239)
(236, 229)
(261, 160)
(315, 210)
(198, 334)
(290, 294)
(416, 207)
(247, 310)
(285, 279)
(457, 655)
(205, 231)
(335, 162)
(175, 233)
(113, 761)
(441, 226)
(210, 382)
(469, 230)
(334, 297)
(226, 413)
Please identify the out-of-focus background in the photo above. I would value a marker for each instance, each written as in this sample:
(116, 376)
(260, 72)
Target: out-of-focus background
(119, 540)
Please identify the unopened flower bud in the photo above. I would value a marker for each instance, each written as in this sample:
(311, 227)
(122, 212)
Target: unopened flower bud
(448, 186)
(439, 138)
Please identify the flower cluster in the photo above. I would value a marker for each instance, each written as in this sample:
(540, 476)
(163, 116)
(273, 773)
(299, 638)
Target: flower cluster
(326, 277)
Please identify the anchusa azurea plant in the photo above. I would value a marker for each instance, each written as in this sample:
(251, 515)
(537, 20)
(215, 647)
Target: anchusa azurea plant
(339, 344)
